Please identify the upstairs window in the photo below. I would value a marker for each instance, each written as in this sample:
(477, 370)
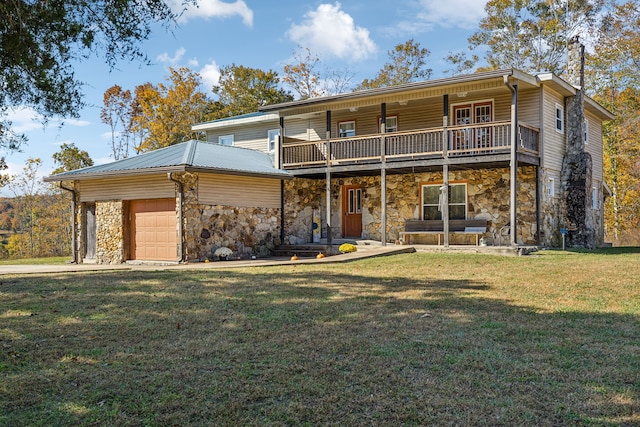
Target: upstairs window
(225, 140)
(432, 201)
(347, 129)
(391, 124)
(272, 138)
(585, 129)
(559, 118)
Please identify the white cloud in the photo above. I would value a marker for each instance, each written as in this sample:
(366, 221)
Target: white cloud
(216, 9)
(464, 14)
(193, 62)
(331, 31)
(25, 119)
(210, 74)
(172, 60)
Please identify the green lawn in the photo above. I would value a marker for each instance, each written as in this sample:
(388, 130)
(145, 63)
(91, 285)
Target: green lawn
(416, 339)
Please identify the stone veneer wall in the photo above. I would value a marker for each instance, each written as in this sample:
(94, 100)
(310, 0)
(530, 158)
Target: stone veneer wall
(248, 231)
(110, 232)
(487, 193)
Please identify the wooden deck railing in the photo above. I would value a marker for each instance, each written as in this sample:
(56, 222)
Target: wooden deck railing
(469, 140)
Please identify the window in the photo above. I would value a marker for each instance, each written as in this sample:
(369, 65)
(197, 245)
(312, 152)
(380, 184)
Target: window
(347, 129)
(272, 138)
(585, 129)
(594, 198)
(355, 200)
(473, 113)
(391, 124)
(551, 189)
(431, 201)
(225, 140)
(559, 118)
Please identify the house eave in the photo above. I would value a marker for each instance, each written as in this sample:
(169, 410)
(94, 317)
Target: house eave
(164, 170)
(242, 121)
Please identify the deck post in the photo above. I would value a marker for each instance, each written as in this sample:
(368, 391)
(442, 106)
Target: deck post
(513, 162)
(328, 178)
(445, 203)
(278, 161)
(383, 174)
(445, 171)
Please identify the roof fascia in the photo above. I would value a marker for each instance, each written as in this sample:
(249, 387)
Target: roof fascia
(114, 174)
(236, 122)
(392, 90)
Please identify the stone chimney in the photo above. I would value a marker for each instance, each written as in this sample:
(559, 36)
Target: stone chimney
(575, 180)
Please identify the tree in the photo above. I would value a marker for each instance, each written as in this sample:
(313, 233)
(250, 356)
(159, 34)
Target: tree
(70, 158)
(243, 90)
(303, 76)
(532, 35)
(461, 63)
(306, 78)
(165, 113)
(117, 112)
(41, 40)
(407, 63)
(26, 187)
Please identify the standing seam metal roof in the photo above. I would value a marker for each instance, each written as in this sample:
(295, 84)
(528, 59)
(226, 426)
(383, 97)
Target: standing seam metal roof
(190, 155)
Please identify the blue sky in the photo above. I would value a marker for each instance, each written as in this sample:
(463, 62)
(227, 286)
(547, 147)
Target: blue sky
(256, 33)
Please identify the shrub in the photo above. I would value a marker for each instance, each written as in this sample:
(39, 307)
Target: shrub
(347, 247)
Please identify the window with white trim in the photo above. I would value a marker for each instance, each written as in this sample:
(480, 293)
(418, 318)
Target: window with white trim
(551, 187)
(272, 137)
(559, 118)
(225, 140)
(594, 198)
(585, 129)
(391, 124)
(347, 129)
(432, 201)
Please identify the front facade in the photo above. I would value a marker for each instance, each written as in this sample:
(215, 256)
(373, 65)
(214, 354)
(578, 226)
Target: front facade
(518, 152)
(491, 144)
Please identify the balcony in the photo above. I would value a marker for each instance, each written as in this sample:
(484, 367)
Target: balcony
(473, 141)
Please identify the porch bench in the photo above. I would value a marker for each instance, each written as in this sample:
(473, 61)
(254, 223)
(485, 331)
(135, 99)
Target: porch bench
(476, 227)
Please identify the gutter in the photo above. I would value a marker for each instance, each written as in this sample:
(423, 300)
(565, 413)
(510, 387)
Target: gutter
(74, 251)
(180, 216)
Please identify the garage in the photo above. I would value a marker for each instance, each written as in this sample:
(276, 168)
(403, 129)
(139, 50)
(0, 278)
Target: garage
(153, 230)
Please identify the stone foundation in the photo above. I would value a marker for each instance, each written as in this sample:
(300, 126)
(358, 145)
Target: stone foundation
(487, 193)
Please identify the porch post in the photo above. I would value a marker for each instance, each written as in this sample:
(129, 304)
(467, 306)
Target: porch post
(514, 164)
(445, 171)
(383, 174)
(445, 203)
(328, 178)
(279, 162)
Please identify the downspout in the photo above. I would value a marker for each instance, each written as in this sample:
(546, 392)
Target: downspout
(180, 226)
(514, 159)
(73, 222)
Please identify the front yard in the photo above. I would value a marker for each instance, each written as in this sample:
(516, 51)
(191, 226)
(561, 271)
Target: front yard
(415, 339)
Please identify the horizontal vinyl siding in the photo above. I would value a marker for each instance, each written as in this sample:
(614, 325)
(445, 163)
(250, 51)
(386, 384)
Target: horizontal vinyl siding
(529, 107)
(231, 190)
(306, 129)
(249, 136)
(129, 188)
(554, 142)
(594, 146)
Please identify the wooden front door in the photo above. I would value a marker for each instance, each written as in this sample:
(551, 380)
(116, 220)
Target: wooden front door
(351, 211)
(153, 230)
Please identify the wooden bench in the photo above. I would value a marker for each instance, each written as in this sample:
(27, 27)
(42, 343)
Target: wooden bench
(476, 227)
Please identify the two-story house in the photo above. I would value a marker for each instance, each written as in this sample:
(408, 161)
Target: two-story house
(493, 146)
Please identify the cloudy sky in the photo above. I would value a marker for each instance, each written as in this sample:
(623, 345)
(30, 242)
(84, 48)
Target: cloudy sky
(356, 34)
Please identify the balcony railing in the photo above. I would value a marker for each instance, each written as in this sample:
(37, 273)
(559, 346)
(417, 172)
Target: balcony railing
(468, 140)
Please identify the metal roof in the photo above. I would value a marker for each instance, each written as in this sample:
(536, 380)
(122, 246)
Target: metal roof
(190, 156)
(243, 119)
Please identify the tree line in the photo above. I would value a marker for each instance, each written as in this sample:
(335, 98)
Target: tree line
(530, 35)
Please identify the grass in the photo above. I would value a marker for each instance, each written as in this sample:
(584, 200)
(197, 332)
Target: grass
(415, 339)
(38, 261)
